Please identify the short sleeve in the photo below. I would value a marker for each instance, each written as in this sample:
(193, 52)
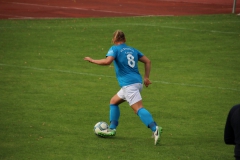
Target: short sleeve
(111, 52)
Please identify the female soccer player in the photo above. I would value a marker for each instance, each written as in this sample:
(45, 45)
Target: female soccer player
(125, 60)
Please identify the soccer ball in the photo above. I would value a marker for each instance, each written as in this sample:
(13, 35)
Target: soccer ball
(100, 126)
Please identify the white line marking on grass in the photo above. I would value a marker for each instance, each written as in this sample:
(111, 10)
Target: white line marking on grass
(99, 75)
(195, 85)
(198, 30)
(54, 70)
(130, 24)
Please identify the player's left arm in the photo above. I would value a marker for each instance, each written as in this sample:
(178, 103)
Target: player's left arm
(107, 61)
(147, 64)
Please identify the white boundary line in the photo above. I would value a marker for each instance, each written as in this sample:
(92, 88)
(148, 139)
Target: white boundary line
(97, 75)
(198, 30)
(139, 24)
(194, 85)
(179, 28)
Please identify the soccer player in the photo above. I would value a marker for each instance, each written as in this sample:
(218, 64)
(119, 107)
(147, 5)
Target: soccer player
(125, 60)
(232, 130)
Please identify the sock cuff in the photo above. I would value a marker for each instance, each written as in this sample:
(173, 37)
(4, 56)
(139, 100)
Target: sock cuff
(115, 123)
(153, 124)
(114, 105)
(139, 110)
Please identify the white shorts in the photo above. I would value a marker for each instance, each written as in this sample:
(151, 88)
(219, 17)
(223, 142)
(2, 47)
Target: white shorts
(131, 93)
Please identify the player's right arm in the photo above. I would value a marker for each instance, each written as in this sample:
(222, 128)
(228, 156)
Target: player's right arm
(107, 61)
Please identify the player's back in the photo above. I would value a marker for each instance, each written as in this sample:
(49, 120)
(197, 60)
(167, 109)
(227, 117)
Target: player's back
(126, 64)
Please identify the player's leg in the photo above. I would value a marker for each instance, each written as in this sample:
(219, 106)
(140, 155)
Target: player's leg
(147, 119)
(144, 115)
(113, 116)
(115, 111)
(134, 98)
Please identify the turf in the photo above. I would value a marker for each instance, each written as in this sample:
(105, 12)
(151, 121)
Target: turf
(50, 98)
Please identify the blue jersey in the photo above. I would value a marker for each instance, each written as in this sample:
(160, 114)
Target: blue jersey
(126, 64)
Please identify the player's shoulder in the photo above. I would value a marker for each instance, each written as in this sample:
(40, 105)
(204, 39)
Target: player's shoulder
(114, 48)
(132, 48)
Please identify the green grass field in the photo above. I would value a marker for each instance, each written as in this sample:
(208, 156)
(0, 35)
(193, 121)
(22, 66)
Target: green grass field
(50, 98)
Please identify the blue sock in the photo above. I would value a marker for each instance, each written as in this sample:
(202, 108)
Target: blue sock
(146, 118)
(114, 116)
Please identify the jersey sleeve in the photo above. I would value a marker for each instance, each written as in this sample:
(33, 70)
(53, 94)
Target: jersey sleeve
(140, 54)
(111, 52)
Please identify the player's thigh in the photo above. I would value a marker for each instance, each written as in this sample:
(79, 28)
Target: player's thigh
(116, 100)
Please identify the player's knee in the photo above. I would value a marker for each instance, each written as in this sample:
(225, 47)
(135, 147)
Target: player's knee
(112, 101)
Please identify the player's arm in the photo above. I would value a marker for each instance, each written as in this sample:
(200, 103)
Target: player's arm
(147, 64)
(107, 61)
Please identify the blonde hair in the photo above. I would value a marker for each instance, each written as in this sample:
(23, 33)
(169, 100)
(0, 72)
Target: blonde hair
(118, 36)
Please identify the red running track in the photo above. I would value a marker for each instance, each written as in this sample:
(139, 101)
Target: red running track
(29, 9)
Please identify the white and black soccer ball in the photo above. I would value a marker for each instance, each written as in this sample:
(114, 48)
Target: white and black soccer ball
(100, 126)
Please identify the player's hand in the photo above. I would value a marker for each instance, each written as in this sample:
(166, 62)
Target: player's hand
(147, 82)
(89, 59)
